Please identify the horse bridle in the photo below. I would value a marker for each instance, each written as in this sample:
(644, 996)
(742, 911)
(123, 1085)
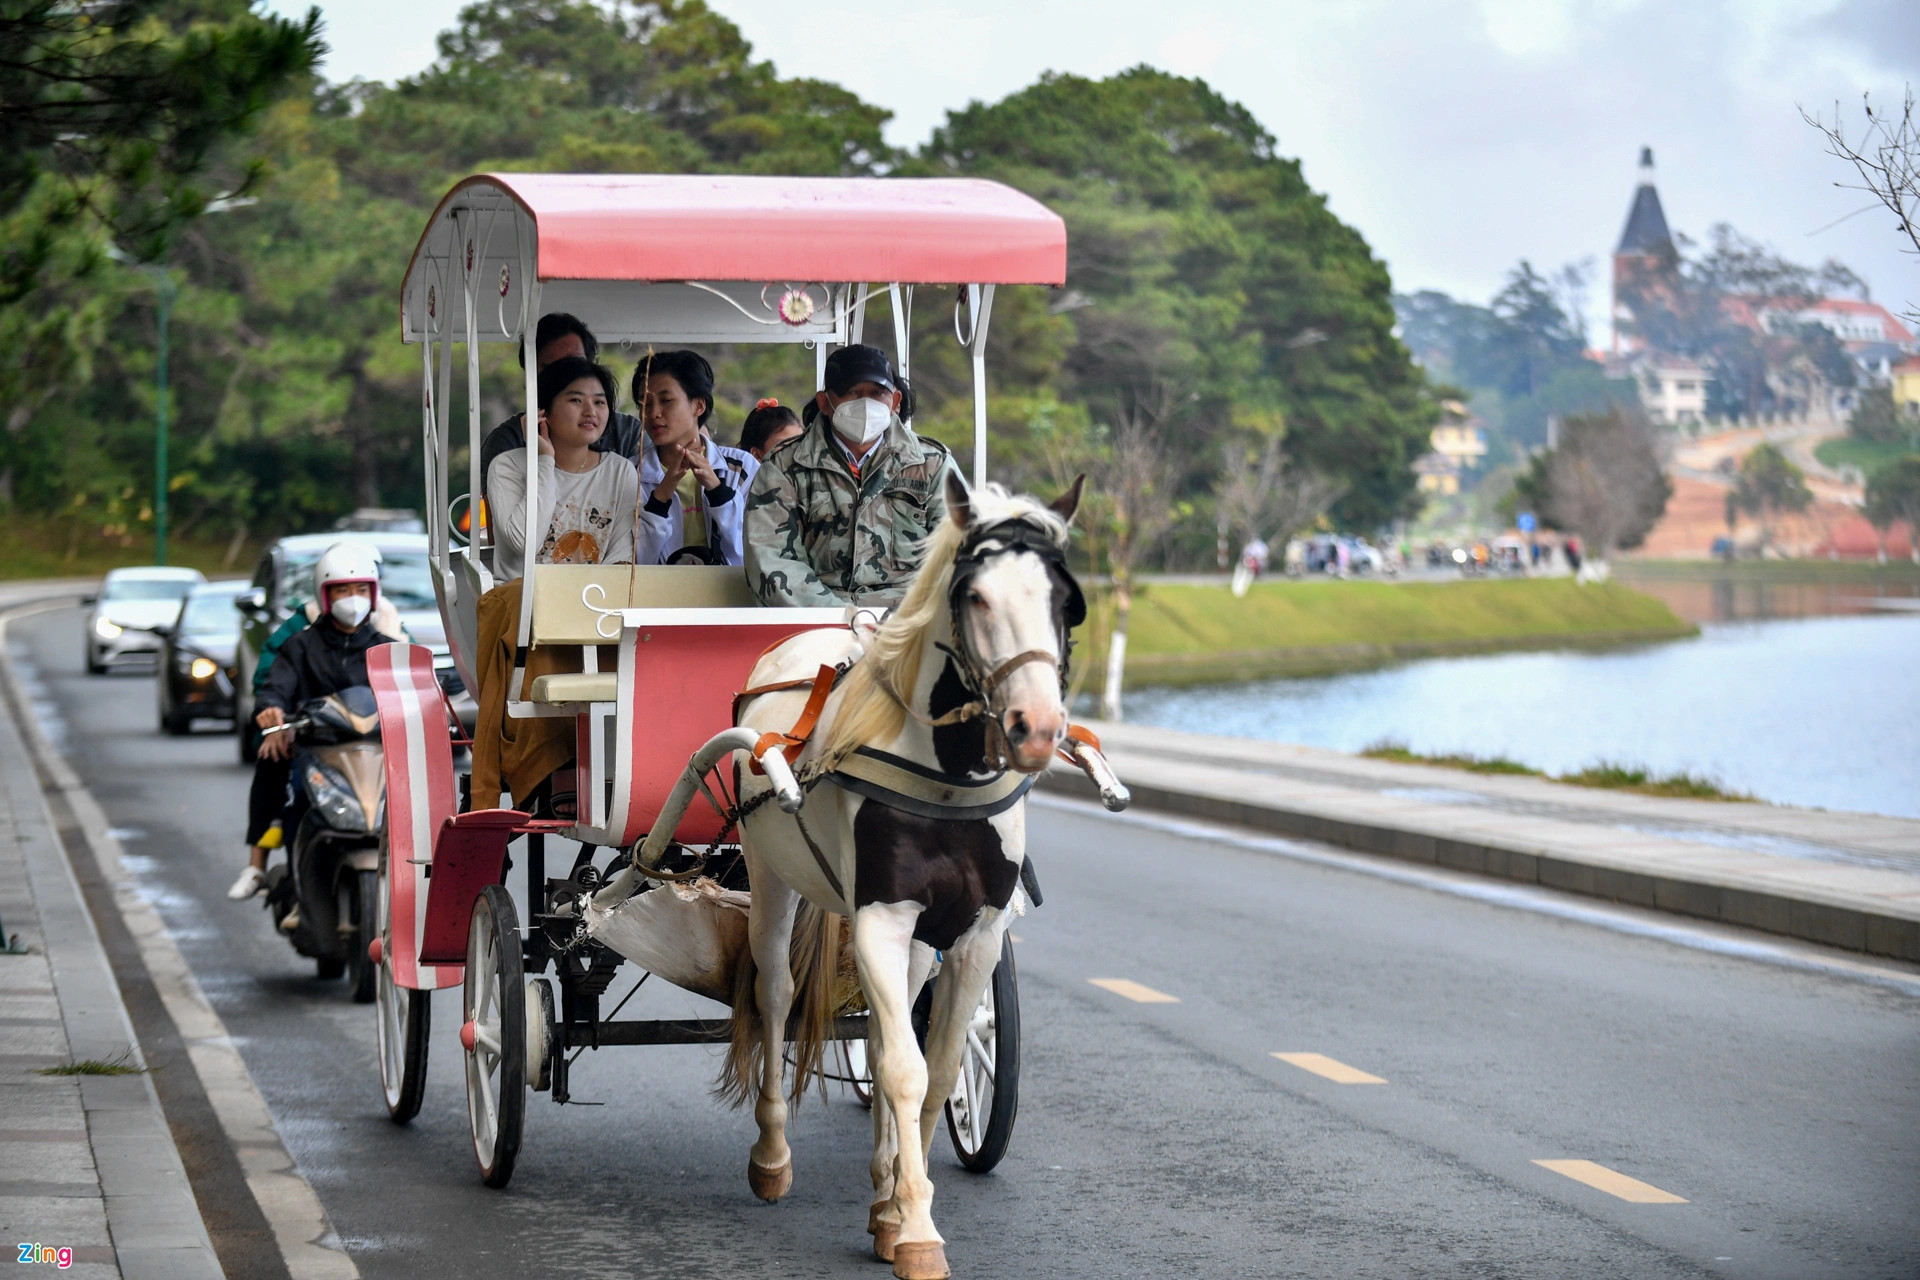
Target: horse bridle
(980, 546)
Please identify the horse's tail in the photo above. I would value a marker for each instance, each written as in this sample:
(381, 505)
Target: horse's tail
(814, 954)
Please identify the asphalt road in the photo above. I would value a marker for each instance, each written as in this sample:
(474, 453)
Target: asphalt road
(1775, 1089)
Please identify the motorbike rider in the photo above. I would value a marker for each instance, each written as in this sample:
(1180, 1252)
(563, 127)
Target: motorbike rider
(326, 657)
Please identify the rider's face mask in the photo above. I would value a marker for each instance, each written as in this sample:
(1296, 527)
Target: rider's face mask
(351, 611)
(861, 420)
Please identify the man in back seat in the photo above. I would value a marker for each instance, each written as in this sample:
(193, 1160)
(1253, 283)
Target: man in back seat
(838, 516)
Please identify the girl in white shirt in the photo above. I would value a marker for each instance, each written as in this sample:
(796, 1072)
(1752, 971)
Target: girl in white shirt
(585, 499)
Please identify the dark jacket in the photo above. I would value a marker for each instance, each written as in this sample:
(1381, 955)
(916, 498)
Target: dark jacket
(318, 661)
(622, 436)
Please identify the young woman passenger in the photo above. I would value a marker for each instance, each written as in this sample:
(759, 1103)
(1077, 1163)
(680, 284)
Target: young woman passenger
(695, 487)
(770, 425)
(586, 498)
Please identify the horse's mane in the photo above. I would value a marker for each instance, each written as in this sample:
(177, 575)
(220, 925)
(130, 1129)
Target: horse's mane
(867, 713)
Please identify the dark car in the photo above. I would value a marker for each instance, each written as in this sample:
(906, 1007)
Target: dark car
(196, 658)
(283, 582)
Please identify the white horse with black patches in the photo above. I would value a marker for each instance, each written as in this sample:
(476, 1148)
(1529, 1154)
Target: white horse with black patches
(962, 688)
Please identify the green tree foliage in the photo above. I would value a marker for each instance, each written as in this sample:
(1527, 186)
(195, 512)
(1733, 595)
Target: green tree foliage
(1875, 417)
(1225, 306)
(111, 112)
(1209, 288)
(1893, 497)
(1768, 486)
(1606, 480)
(1521, 359)
(1728, 307)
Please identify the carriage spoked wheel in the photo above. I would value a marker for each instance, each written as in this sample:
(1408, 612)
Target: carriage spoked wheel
(402, 1022)
(494, 1034)
(986, 1094)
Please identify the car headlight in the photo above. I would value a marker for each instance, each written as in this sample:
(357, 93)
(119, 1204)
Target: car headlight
(107, 628)
(336, 803)
(203, 668)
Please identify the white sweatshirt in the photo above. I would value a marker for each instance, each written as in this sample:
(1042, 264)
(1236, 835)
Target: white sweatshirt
(587, 516)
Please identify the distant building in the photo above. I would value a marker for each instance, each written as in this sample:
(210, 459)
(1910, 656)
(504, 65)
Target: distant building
(1459, 446)
(1645, 256)
(1673, 389)
(1906, 385)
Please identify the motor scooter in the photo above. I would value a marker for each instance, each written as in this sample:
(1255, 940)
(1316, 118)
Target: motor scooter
(338, 822)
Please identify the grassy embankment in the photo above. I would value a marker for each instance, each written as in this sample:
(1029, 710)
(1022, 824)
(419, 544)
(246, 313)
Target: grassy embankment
(1604, 776)
(1868, 455)
(31, 551)
(1190, 634)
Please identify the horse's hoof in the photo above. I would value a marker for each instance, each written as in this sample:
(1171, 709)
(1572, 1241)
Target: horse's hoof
(770, 1184)
(886, 1236)
(873, 1215)
(920, 1260)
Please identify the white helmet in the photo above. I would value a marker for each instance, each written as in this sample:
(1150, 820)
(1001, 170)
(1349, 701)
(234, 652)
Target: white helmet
(346, 562)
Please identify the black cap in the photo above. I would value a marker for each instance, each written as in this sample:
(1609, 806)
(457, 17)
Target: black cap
(848, 367)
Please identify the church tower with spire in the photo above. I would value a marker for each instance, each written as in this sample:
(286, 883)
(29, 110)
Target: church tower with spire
(1646, 257)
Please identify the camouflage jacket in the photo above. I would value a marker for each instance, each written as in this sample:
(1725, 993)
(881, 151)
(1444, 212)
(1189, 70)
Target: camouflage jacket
(815, 536)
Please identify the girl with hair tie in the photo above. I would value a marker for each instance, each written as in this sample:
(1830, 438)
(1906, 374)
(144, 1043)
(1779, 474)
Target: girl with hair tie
(693, 487)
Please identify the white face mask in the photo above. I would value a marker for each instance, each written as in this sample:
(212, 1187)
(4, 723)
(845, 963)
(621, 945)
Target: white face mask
(351, 611)
(859, 421)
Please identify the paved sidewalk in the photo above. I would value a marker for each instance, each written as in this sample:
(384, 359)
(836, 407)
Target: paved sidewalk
(87, 1163)
(1841, 879)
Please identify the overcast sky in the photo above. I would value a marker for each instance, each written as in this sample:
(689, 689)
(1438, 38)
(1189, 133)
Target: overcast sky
(1458, 135)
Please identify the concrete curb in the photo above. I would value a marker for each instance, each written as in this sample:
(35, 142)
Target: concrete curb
(1830, 924)
(152, 1216)
(302, 1233)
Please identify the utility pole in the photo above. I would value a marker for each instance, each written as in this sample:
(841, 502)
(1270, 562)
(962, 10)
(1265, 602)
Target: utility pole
(164, 286)
(164, 291)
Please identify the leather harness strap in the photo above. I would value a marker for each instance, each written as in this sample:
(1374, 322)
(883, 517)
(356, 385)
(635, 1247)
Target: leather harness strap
(1084, 736)
(794, 740)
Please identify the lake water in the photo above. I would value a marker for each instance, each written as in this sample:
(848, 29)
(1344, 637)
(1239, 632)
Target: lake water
(1821, 711)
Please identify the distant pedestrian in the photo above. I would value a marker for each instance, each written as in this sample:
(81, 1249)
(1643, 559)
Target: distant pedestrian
(1573, 553)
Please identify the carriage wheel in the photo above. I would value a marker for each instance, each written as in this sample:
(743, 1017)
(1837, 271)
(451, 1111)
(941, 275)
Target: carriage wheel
(987, 1093)
(402, 1022)
(494, 1034)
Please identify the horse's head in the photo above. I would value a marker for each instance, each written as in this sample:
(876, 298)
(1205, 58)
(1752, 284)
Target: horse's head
(1014, 602)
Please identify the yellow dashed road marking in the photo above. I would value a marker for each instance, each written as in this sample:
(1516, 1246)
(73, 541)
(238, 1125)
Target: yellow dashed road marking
(1134, 991)
(1601, 1178)
(1321, 1065)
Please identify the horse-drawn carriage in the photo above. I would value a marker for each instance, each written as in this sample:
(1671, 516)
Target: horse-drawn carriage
(721, 745)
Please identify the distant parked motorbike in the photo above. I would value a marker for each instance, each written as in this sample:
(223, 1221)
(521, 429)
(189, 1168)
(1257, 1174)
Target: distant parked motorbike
(338, 820)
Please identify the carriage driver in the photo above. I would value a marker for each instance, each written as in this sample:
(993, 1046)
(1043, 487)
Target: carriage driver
(838, 516)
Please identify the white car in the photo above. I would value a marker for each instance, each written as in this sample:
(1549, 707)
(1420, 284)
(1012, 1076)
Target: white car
(131, 604)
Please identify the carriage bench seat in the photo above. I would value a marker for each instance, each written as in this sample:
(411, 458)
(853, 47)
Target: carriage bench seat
(587, 686)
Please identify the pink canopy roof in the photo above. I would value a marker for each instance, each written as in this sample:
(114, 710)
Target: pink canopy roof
(728, 227)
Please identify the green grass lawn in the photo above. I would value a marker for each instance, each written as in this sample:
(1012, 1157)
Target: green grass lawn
(1603, 776)
(1868, 455)
(1181, 632)
(31, 550)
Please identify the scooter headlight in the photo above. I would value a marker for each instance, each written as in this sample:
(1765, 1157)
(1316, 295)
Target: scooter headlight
(334, 800)
(107, 628)
(203, 668)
